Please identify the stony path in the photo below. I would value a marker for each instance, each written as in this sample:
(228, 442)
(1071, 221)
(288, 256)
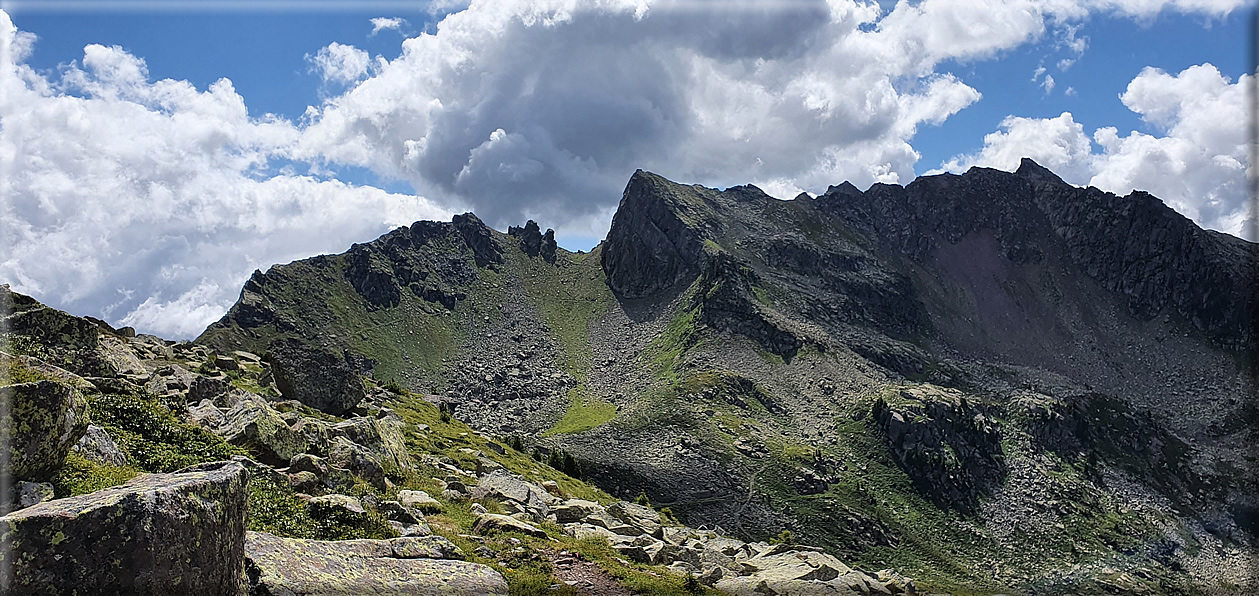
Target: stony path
(586, 578)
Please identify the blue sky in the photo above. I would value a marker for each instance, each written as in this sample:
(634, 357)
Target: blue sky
(542, 108)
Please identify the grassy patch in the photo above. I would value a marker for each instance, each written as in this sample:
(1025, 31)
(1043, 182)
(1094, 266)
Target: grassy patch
(79, 476)
(584, 413)
(448, 438)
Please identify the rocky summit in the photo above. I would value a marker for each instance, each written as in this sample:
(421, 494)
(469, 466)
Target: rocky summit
(988, 383)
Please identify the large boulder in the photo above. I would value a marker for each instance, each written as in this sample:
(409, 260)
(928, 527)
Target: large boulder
(574, 510)
(643, 518)
(179, 533)
(254, 425)
(505, 486)
(44, 420)
(64, 340)
(412, 566)
(503, 523)
(383, 437)
(356, 458)
(419, 500)
(317, 377)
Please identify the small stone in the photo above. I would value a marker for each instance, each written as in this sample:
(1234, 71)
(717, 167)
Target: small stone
(419, 500)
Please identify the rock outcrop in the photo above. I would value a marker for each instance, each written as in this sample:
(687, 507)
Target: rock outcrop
(427, 565)
(946, 445)
(317, 377)
(45, 418)
(653, 243)
(157, 534)
(533, 242)
(99, 447)
(253, 424)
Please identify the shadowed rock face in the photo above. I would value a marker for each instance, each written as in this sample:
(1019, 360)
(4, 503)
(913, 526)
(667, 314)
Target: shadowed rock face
(1153, 259)
(946, 445)
(317, 377)
(651, 245)
(180, 533)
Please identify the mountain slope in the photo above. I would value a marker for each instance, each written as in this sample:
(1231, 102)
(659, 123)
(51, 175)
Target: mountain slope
(995, 381)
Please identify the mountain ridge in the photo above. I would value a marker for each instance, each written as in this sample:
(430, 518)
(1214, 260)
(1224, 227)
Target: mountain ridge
(752, 362)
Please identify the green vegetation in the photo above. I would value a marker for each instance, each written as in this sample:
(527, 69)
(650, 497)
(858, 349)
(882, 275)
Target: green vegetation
(447, 438)
(246, 378)
(584, 413)
(154, 439)
(565, 462)
(313, 297)
(568, 295)
(79, 476)
(275, 509)
(16, 373)
(783, 537)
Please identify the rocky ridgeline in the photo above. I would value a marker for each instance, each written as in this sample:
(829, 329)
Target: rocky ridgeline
(185, 531)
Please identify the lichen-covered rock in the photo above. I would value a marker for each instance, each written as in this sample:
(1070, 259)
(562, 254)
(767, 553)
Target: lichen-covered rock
(64, 340)
(419, 500)
(423, 566)
(502, 523)
(254, 425)
(503, 485)
(317, 377)
(98, 446)
(357, 459)
(305, 462)
(319, 435)
(336, 505)
(306, 482)
(383, 437)
(44, 420)
(206, 415)
(27, 494)
(179, 533)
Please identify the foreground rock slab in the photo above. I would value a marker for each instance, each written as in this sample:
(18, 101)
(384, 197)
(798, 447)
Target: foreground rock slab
(181, 533)
(413, 566)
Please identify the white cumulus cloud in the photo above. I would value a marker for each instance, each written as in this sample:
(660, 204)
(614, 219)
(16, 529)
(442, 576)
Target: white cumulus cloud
(1195, 160)
(385, 23)
(340, 63)
(150, 202)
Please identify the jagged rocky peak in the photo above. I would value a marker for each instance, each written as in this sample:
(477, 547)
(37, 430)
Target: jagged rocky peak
(1033, 171)
(478, 237)
(655, 240)
(533, 242)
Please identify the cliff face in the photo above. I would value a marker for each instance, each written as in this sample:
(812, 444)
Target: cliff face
(1035, 371)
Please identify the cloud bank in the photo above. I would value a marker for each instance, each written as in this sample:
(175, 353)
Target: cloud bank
(149, 202)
